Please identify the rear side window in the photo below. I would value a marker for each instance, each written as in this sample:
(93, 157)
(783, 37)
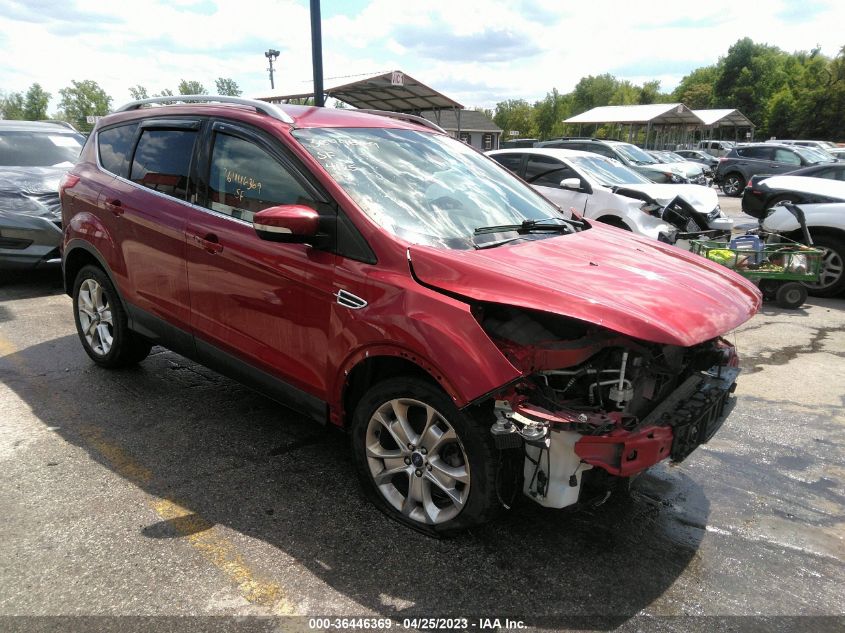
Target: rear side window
(115, 146)
(544, 171)
(163, 160)
(245, 179)
(785, 156)
(511, 161)
(761, 153)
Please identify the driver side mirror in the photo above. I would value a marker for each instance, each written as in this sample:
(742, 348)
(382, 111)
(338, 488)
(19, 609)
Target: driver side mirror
(576, 184)
(290, 223)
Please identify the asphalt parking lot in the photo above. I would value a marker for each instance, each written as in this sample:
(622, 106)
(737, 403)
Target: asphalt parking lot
(169, 490)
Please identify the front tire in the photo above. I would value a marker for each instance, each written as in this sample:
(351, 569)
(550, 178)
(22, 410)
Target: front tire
(420, 460)
(101, 322)
(832, 280)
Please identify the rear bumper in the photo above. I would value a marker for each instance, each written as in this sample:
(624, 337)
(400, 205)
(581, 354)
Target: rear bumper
(28, 242)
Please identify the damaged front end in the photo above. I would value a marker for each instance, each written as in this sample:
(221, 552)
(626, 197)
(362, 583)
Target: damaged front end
(594, 405)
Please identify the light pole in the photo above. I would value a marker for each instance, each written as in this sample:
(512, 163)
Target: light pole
(317, 53)
(271, 55)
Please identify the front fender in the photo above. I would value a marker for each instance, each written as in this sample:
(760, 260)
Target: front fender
(436, 332)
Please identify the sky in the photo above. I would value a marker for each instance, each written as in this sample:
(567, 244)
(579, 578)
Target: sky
(476, 52)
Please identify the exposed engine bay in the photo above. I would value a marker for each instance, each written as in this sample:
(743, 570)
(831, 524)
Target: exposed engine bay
(678, 213)
(594, 399)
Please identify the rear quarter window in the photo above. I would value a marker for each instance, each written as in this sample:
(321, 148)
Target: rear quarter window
(115, 147)
(510, 161)
(163, 160)
(760, 153)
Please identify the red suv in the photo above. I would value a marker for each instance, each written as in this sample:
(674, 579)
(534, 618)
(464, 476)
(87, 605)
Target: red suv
(371, 272)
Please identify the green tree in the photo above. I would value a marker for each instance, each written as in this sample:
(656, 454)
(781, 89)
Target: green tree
(191, 88)
(591, 92)
(35, 103)
(781, 114)
(625, 93)
(138, 92)
(82, 99)
(228, 87)
(515, 115)
(650, 93)
(696, 89)
(12, 106)
(550, 113)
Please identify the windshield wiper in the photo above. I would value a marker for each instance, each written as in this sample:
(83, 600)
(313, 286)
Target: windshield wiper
(531, 226)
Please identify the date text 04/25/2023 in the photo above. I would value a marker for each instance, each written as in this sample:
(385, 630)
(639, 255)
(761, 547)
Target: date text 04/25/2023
(419, 623)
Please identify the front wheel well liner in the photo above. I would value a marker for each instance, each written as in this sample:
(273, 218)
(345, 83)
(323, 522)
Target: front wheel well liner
(372, 370)
(612, 220)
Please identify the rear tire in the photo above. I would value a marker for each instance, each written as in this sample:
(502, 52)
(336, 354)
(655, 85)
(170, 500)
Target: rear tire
(101, 322)
(732, 185)
(420, 460)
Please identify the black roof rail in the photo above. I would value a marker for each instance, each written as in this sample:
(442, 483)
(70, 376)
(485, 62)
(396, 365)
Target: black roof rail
(263, 107)
(412, 118)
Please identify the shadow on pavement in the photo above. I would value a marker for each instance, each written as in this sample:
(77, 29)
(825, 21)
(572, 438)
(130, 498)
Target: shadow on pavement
(234, 458)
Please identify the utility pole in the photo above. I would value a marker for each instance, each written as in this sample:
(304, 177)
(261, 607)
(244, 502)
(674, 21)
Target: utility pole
(317, 53)
(271, 55)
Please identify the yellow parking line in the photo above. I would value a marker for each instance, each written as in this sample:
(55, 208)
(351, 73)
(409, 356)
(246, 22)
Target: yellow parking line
(200, 533)
(6, 348)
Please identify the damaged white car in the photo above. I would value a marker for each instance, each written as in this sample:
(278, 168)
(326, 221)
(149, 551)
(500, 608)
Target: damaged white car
(607, 191)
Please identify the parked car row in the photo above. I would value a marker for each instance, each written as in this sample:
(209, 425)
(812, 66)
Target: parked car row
(606, 190)
(656, 170)
(737, 167)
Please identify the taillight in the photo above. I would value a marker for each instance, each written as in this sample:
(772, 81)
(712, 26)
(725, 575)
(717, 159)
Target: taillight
(722, 159)
(68, 181)
(749, 183)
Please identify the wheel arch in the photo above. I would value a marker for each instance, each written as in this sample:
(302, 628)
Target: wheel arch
(367, 368)
(833, 231)
(77, 255)
(613, 220)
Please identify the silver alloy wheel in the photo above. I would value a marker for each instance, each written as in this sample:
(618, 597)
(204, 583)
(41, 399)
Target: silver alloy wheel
(831, 270)
(95, 316)
(417, 461)
(731, 186)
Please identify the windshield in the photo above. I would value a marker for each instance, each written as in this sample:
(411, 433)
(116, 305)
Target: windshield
(634, 154)
(38, 149)
(425, 188)
(607, 172)
(814, 155)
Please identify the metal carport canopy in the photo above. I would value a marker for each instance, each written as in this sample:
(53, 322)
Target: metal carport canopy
(393, 90)
(655, 114)
(727, 117)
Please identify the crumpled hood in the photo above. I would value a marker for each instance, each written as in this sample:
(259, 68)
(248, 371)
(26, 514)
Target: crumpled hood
(702, 199)
(689, 169)
(32, 191)
(628, 284)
